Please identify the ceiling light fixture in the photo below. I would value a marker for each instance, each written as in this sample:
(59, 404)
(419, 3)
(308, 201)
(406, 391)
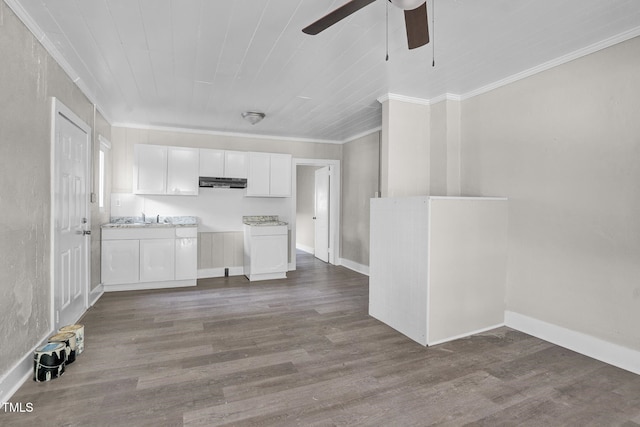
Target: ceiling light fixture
(253, 117)
(407, 4)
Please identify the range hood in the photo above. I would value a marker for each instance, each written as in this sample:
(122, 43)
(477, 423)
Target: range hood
(217, 182)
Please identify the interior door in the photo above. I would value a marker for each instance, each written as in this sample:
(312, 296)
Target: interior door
(321, 218)
(71, 216)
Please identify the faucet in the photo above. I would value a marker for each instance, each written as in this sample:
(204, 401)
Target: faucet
(158, 219)
(144, 219)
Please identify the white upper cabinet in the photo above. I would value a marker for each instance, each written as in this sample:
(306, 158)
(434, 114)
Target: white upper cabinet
(280, 175)
(211, 162)
(182, 171)
(235, 164)
(223, 164)
(269, 175)
(149, 169)
(161, 169)
(259, 174)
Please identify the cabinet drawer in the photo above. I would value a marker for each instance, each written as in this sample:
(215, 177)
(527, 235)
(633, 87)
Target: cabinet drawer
(186, 232)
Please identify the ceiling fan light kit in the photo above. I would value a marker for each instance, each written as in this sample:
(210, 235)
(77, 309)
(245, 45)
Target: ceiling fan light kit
(253, 117)
(407, 4)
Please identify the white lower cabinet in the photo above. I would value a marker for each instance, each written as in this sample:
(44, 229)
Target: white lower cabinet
(147, 257)
(120, 261)
(157, 260)
(186, 248)
(265, 252)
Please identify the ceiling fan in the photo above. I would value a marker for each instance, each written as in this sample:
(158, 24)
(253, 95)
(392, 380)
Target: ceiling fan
(415, 18)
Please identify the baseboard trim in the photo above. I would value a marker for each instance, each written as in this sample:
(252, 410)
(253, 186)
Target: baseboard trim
(150, 285)
(596, 348)
(464, 335)
(95, 294)
(305, 248)
(20, 373)
(352, 265)
(23, 370)
(208, 273)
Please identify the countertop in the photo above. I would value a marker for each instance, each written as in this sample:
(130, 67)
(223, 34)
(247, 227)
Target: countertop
(262, 220)
(152, 222)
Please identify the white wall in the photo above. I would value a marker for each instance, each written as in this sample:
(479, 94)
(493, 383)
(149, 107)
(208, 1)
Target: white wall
(564, 147)
(405, 149)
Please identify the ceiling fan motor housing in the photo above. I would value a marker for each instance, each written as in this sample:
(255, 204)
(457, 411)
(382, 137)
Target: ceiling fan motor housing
(407, 4)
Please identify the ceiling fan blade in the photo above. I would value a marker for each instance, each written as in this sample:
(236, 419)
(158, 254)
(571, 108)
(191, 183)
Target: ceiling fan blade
(417, 26)
(335, 16)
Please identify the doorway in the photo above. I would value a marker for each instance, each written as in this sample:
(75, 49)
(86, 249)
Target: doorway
(71, 219)
(321, 221)
(327, 247)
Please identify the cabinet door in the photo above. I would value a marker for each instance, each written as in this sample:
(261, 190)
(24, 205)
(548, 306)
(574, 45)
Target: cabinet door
(182, 171)
(258, 174)
(186, 258)
(212, 162)
(157, 260)
(269, 254)
(280, 175)
(235, 164)
(149, 169)
(120, 261)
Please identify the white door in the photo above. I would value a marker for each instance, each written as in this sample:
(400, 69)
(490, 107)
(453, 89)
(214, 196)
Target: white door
(71, 216)
(321, 218)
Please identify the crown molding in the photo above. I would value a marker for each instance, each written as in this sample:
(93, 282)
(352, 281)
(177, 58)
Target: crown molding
(222, 133)
(403, 98)
(634, 32)
(50, 47)
(362, 134)
(445, 97)
(419, 101)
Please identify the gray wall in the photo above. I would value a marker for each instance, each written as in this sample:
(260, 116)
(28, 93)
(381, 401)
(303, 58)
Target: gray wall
(360, 182)
(29, 77)
(564, 146)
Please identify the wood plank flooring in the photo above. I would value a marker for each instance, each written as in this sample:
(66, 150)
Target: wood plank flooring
(304, 352)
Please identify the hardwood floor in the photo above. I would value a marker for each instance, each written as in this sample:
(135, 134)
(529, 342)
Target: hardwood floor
(304, 352)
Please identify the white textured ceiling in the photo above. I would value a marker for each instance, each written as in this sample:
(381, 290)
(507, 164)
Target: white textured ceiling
(198, 64)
